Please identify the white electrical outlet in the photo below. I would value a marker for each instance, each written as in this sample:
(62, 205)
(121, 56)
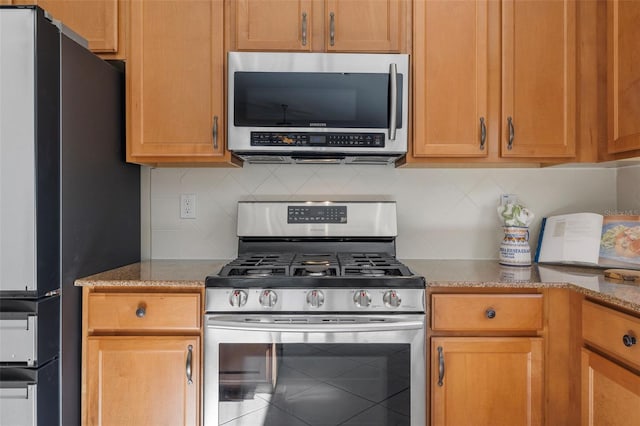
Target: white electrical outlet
(187, 206)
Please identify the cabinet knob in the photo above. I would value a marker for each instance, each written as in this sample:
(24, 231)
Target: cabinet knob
(141, 311)
(490, 313)
(628, 340)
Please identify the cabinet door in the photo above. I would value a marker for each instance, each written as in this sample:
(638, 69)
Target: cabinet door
(623, 75)
(175, 82)
(364, 25)
(95, 20)
(142, 380)
(450, 62)
(538, 82)
(610, 393)
(273, 25)
(486, 381)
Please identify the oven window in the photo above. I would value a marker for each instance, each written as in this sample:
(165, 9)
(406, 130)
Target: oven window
(314, 384)
(341, 100)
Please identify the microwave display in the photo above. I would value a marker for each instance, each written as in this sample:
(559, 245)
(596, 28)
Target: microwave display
(310, 99)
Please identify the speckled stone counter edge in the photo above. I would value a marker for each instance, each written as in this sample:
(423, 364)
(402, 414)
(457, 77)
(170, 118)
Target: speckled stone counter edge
(438, 273)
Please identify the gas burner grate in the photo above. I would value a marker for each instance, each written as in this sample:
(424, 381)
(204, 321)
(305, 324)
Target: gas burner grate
(371, 265)
(315, 265)
(259, 265)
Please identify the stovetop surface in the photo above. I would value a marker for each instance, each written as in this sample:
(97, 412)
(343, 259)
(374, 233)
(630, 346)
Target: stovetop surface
(341, 269)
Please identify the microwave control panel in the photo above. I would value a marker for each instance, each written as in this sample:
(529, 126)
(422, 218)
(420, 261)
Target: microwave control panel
(351, 140)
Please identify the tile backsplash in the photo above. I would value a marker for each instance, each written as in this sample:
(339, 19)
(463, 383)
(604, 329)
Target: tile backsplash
(442, 213)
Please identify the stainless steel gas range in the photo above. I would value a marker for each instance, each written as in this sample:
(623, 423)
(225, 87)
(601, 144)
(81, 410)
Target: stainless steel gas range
(315, 322)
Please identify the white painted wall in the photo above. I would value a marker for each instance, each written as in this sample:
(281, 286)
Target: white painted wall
(442, 213)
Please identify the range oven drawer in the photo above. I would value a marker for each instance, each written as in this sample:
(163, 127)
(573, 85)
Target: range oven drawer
(29, 331)
(29, 397)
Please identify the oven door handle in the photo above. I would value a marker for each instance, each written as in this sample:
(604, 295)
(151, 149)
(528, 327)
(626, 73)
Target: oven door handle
(315, 328)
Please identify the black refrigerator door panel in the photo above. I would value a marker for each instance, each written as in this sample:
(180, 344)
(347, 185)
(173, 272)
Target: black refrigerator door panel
(100, 196)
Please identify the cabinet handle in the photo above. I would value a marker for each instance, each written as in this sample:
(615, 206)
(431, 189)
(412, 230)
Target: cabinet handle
(512, 132)
(304, 28)
(332, 29)
(490, 313)
(215, 132)
(440, 366)
(141, 311)
(628, 340)
(188, 367)
(483, 133)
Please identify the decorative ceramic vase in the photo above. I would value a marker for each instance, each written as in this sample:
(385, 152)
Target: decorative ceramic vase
(514, 248)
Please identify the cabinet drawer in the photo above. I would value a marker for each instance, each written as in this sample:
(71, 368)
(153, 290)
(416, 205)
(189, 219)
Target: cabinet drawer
(486, 312)
(609, 330)
(144, 312)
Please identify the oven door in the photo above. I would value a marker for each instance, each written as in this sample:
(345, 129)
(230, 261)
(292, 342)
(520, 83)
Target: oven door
(314, 370)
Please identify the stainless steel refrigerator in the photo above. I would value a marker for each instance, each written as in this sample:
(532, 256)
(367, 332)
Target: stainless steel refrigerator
(69, 207)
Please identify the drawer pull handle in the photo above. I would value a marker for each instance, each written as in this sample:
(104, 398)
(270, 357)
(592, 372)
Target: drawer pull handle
(628, 340)
(440, 366)
(490, 313)
(141, 311)
(188, 367)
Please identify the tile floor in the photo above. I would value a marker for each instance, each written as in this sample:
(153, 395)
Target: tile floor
(329, 385)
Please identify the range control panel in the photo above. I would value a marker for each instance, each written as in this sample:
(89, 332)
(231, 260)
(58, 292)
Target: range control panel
(352, 140)
(317, 214)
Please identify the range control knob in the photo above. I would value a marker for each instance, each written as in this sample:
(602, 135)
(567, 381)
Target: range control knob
(268, 298)
(315, 298)
(391, 299)
(238, 298)
(361, 298)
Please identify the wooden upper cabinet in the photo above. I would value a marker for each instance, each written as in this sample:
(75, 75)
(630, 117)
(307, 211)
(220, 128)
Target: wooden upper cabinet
(98, 21)
(538, 82)
(363, 25)
(450, 75)
(623, 60)
(273, 25)
(319, 25)
(498, 72)
(175, 82)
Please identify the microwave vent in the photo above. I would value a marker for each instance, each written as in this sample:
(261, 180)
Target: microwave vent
(265, 159)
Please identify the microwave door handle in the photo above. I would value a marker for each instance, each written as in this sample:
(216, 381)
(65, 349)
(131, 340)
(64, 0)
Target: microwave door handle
(393, 74)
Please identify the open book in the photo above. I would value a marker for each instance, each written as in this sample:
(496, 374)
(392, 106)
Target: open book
(590, 239)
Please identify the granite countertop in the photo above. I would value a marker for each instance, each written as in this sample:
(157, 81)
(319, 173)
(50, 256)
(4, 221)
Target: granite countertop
(438, 273)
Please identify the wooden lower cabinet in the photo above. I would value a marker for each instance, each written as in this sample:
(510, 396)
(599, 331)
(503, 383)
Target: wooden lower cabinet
(610, 393)
(489, 381)
(141, 358)
(150, 380)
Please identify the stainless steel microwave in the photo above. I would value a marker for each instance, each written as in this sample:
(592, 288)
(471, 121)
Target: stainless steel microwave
(318, 107)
